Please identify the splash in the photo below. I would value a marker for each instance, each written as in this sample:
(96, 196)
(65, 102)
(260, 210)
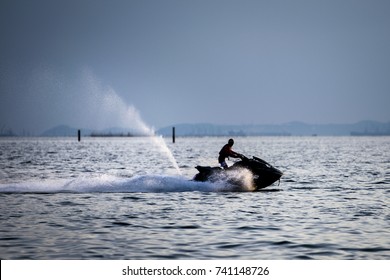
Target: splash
(136, 184)
(114, 112)
(239, 179)
(85, 102)
(159, 141)
(105, 108)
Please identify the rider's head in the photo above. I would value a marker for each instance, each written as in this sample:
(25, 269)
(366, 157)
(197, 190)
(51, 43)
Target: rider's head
(231, 142)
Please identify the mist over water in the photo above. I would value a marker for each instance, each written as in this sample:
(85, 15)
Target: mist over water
(82, 101)
(114, 112)
(104, 108)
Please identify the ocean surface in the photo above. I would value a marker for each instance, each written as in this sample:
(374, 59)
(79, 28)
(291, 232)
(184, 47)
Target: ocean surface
(133, 198)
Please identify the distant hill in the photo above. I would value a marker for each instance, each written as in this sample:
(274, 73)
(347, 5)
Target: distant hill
(61, 131)
(286, 129)
(67, 131)
(6, 131)
(207, 129)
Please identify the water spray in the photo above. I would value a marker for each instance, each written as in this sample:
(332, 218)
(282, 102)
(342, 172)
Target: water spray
(117, 112)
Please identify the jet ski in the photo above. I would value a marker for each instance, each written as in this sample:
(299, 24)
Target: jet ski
(264, 174)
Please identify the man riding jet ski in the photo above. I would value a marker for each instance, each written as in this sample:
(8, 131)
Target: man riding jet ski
(264, 174)
(227, 152)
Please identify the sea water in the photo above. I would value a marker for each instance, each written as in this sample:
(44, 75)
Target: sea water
(123, 198)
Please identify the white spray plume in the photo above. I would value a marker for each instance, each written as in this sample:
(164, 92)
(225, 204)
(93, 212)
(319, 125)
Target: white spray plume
(107, 109)
(114, 112)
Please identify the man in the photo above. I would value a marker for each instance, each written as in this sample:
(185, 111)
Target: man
(226, 152)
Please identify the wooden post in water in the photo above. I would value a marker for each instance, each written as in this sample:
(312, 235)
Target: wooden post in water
(79, 135)
(173, 135)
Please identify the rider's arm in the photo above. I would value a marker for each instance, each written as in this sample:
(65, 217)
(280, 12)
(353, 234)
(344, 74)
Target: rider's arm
(234, 154)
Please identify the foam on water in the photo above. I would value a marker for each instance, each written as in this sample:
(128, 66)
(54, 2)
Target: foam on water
(237, 181)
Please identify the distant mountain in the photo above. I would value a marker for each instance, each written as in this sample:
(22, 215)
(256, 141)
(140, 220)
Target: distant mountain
(59, 131)
(371, 128)
(67, 131)
(6, 131)
(286, 129)
(207, 129)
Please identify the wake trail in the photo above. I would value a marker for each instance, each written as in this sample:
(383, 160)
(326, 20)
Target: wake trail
(135, 184)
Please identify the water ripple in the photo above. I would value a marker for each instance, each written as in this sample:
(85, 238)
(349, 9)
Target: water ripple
(124, 203)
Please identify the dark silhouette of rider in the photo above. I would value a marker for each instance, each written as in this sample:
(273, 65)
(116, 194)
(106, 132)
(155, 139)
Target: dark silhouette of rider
(227, 152)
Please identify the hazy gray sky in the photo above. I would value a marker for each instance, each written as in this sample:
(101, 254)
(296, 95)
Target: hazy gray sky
(88, 63)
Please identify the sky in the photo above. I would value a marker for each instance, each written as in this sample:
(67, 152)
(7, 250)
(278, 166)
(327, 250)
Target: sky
(97, 64)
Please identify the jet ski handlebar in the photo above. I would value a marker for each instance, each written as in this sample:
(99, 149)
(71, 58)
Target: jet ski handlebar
(243, 157)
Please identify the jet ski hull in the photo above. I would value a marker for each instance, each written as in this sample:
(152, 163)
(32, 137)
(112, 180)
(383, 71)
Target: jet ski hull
(264, 174)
